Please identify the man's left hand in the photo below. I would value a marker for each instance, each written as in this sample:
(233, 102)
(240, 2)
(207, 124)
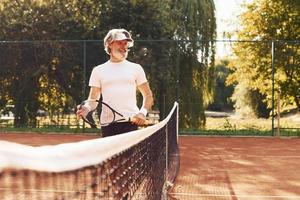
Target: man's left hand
(139, 119)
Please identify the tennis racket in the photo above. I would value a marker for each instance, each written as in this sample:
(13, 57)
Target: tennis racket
(110, 115)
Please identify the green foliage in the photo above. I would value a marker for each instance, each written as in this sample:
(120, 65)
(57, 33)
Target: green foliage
(269, 20)
(222, 92)
(196, 28)
(26, 63)
(249, 102)
(55, 69)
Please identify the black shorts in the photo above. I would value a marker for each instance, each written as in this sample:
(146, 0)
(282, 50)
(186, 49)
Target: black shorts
(118, 128)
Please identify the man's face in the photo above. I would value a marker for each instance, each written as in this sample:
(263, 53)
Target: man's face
(118, 50)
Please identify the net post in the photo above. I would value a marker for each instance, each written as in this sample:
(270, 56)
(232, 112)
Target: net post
(273, 84)
(177, 119)
(166, 185)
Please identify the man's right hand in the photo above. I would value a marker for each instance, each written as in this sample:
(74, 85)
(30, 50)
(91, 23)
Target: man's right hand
(82, 111)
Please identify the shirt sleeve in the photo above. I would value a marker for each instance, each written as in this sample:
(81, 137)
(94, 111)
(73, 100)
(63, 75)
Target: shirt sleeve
(95, 79)
(141, 76)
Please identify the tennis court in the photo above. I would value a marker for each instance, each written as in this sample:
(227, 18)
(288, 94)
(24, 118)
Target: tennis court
(238, 168)
(220, 168)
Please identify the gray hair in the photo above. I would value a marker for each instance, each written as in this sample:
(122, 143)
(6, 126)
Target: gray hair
(115, 35)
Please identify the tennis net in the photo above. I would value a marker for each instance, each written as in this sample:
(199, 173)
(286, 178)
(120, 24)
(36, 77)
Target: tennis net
(139, 165)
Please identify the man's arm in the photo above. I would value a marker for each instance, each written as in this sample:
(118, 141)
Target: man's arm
(140, 118)
(147, 96)
(94, 93)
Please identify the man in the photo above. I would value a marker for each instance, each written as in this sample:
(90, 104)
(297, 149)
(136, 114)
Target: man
(117, 80)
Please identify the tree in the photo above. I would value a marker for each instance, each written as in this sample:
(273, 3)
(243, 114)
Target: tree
(267, 21)
(195, 31)
(172, 43)
(28, 63)
(222, 96)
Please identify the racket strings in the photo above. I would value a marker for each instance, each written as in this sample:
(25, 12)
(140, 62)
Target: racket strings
(107, 115)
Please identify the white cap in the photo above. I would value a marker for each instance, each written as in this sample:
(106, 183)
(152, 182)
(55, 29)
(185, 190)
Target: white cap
(122, 36)
(117, 35)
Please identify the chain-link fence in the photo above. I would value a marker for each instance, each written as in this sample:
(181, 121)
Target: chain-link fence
(243, 85)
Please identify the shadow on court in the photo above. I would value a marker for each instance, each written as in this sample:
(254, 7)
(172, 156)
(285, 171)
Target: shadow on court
(238, 168)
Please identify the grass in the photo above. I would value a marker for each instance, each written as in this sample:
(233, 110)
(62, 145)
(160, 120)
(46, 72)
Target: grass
(215, 126)
(242, 132)
(237, 126)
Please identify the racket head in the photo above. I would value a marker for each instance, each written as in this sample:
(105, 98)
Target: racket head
(103, 114)
(109, 115)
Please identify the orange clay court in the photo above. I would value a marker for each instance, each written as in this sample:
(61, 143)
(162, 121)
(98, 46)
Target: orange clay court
(220, 168)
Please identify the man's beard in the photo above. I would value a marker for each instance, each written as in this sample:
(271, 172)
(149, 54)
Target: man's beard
(121, 54)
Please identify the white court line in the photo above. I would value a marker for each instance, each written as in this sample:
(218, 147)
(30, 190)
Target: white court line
(247, 149)
(238, 196)
(245, 155)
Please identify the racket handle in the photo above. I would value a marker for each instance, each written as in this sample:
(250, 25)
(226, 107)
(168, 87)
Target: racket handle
(133, 120)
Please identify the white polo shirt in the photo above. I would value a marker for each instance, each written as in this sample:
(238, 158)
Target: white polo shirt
(118, 83)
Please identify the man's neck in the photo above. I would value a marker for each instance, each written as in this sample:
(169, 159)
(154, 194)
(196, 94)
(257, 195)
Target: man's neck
(115, 60)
